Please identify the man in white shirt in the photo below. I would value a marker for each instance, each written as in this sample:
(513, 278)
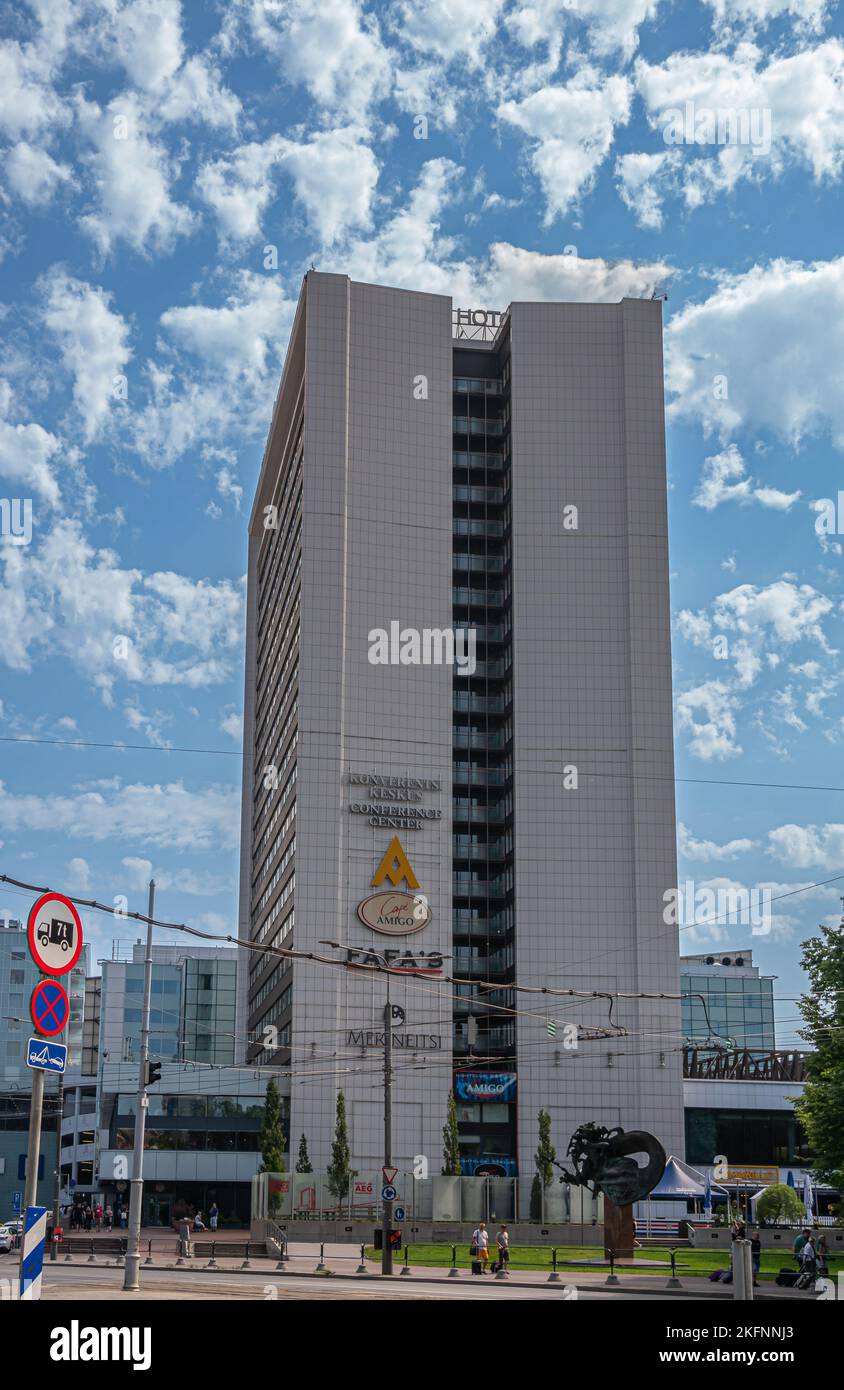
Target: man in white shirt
(480, 1240)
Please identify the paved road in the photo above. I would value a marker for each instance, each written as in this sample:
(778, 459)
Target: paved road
(98, 1284)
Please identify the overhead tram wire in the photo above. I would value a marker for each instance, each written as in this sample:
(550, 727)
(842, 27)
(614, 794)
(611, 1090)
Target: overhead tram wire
(238, 753)
(286, 953)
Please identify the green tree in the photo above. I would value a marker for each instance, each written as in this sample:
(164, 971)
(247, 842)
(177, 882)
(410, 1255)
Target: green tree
(544, 1160)
(821, 1107)
(303, 1162)
(340, 1171)
(779, 1203)
(451, 1141)
(272, 1142)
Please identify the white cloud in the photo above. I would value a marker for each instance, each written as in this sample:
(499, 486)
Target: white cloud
(724, 479)
(239, 188)
(334, 173)
(770, 335)
(232, 724)
(802, 846)
(641, 178)
(705, 851)
(238, 348)
(611, 25)
(26, 454)
(167, 816)
(810, 14)
(573, 126)
(448, 28)
(708, 713)
(196, 883)
(132, 175)
(93, 340)
(791, 107)
(33, 174)
(334, 49)
(408, 250)
(78, 876)
(62, 598)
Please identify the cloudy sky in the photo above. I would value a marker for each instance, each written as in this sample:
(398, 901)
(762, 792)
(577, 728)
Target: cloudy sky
(169, 173)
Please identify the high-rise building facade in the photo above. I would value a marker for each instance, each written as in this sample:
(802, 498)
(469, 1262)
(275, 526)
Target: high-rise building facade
(457, 736)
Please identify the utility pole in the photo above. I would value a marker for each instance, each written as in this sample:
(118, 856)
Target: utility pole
(136, 1191)
(33, 1153)
(387, 1207)
(57, 1175)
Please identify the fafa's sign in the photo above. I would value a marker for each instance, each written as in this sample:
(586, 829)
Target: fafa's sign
(485, 1085)
(394, 914)
(408, 962)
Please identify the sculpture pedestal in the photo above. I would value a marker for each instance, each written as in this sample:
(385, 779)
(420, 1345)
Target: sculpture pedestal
(619, 1230)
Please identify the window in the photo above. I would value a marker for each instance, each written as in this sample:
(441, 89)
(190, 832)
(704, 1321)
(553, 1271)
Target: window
(16, 977)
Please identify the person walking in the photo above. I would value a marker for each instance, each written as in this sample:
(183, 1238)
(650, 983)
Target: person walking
(756, 1255)
(502, 1241)
(808, 1265)
(109, 1217)
(799, 1242)
(89, 1218)
(213, 1216)
(822, 1250)
(98, 1215)
(480, 1242)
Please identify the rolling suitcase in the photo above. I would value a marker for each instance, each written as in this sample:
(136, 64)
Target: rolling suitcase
(477, 1266)
(787, 1278)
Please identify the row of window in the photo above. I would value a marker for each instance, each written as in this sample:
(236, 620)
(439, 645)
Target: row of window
(192, 1140)
(182, 1106)
(261, 961)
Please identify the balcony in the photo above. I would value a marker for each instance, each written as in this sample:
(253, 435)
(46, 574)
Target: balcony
(468, 738)
(462, 526)
(491, 460)
(467, 701)
(480, 776)
(478, 598)
(478, 385)
(464, 809)
(463, 847)
(472, 424)
(481, 564)
(491, 495)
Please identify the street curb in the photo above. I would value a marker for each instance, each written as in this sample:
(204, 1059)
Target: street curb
(621, 1289)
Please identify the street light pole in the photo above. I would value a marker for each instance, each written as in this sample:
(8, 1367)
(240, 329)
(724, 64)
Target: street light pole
(387, 1207)
(136, 1190)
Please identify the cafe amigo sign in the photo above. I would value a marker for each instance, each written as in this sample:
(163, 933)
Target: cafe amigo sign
(395, 913)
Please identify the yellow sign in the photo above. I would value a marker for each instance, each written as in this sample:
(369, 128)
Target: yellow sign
(761, 1174)
(395, 866)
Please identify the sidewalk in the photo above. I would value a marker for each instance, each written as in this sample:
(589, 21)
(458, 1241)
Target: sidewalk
(343, 1259)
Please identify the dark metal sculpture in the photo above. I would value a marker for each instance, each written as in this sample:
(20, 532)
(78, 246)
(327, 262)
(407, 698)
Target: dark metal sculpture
(603, 1163)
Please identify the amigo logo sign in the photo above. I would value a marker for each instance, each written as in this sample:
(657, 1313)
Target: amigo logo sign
(394, 914)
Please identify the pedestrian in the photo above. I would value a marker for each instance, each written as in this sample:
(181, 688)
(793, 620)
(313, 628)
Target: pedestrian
(109, 1217)
(502, 1241)
(214, 1215)
(480, 1245)
(822, 1250)
(122, 1217)
(198, 1223)
(89, 1217)
(799, 1242)
(756, 1255)
(808, 1265)
(738, 1230)
(98, 1215)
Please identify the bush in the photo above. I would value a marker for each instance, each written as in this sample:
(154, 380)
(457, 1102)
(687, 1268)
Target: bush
(779, 1203)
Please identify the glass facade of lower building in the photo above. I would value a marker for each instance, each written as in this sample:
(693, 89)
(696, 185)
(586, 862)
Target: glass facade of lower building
(745, 1136)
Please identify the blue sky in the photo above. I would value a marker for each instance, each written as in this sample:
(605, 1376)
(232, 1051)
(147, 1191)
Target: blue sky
(487, 149)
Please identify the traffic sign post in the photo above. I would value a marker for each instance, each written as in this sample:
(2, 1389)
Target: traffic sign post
(32, 1247)
(46, 1056)
(49, 1007)
(54, 933)
(54, 936)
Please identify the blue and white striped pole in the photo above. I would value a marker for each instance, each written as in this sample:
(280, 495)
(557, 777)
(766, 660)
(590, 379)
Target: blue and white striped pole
(32, 1252)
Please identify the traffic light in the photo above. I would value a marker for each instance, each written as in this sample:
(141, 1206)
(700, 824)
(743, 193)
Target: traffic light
(153, 1073)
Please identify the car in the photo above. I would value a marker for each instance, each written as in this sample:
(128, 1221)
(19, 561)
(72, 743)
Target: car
(7, 1240)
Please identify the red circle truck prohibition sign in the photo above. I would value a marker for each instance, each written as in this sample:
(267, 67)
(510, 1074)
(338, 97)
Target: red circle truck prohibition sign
(54, 933)
(49, 1007)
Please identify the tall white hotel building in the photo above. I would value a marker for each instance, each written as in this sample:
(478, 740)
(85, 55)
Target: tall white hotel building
(422, 468)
